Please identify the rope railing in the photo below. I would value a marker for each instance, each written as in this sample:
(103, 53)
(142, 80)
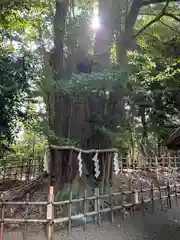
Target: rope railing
(111, 150)
(95, 158)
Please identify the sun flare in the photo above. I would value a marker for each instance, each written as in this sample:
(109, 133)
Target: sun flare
(95, 24)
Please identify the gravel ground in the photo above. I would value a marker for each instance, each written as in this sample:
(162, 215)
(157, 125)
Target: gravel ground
(157, 226)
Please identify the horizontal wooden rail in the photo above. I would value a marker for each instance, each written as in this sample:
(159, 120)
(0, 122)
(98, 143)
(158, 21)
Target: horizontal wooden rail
(165, 194)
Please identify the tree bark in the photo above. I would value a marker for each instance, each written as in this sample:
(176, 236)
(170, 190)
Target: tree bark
(59, 104)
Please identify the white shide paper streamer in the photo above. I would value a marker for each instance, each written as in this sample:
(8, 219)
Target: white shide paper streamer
(79, 157)
(46, 160)
(116, 163)
(96, 165)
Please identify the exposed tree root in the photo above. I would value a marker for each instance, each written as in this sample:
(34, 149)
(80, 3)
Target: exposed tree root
(18, 193)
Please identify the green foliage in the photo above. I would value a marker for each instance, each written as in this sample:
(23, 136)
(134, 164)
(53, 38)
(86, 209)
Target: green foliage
(30, 149)
(154, 90)
(14, 88)
(85, 83)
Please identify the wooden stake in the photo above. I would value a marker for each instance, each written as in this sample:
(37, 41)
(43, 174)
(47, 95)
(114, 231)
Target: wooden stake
(50, 213)
(26, 217)
(2, 222)
(97, 204)
(85, 208)
(70, 212)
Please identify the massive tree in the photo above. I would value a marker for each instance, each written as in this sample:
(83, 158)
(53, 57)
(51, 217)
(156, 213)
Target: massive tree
(96, 111)
(120, 26)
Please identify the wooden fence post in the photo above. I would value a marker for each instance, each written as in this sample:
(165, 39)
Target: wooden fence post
(161, 198)
(2, 221)
(97, 206)
(70, 213)
(142, 199)
(50, 213)
(26, 217)
(176, 194)
(111, 204)
(85, 208)
(152, 197)
(169, 194)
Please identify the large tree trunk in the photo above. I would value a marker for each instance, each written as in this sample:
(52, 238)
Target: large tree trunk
(124, 21)
(81, 119)
(73, 118)
(58, 64)
(58, 103)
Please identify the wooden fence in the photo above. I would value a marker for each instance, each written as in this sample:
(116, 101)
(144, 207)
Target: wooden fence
(25, 170)
(166, 196)
(20, 169)
(50, 214)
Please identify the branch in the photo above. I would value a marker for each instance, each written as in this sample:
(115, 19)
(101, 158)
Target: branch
(155, 38)
(172, 16)
(166, 25)
(132, 16)
(157, 18)
(148, 2)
